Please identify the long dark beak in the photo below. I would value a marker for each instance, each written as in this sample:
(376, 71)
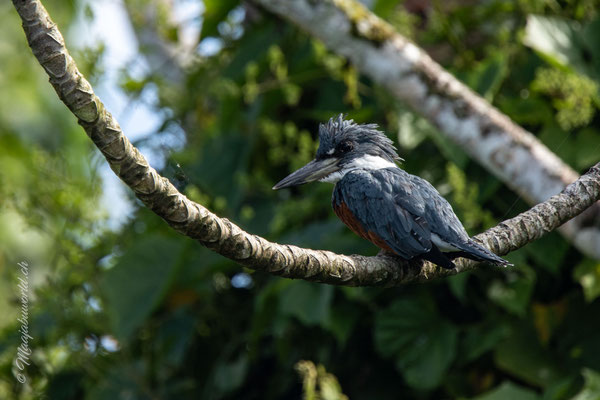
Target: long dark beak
(313, 171)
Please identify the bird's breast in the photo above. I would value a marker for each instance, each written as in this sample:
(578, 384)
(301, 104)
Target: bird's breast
(347, 216)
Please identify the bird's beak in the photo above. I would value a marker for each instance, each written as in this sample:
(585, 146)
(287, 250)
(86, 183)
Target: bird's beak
(313, 171)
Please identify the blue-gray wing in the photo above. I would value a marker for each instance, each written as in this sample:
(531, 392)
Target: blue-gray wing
(392, 207)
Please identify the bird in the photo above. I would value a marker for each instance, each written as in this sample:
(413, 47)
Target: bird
(400, 213)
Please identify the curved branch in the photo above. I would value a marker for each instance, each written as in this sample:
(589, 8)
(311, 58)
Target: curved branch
(505, 149)
(224, 237)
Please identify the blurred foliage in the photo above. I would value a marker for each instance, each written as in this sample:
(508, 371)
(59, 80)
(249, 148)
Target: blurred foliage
(141, 312)
(317, 383)
(574, 96)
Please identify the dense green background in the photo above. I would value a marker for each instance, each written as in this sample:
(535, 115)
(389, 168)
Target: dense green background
(250, 114)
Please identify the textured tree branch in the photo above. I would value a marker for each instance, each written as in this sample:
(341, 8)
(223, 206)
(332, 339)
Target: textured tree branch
(224, 237)
(508, 151)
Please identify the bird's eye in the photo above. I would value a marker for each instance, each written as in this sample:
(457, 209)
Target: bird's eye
(345, 147)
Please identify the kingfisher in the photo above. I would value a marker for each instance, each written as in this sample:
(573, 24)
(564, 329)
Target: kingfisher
(400, 213)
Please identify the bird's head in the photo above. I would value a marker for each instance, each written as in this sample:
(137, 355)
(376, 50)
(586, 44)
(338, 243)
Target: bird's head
(344, 146)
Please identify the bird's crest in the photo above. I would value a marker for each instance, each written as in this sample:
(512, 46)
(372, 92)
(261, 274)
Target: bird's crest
(367, 136)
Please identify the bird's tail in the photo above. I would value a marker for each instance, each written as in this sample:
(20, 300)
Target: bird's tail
(474, 251)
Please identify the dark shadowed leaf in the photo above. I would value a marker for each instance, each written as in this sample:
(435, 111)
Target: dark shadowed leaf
(228, 376)
(487, 76)
(174, 337)
(509, 391)
(591, 33)
(514, 290)
(341, 322)
(577, 335)
(119, 382)
(308, 302)
(530, 110)
(481, 338)
(522, 355)
(549, 251)
(422, 343)
(458, 285)
(65, 385)
(139, 281)
(587, 148)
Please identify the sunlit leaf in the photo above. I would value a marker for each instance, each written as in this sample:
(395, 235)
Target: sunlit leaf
(591, 387)
(587, 274)
(556, 39)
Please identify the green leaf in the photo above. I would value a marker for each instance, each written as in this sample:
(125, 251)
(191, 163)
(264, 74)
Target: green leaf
(65, 385)
(222, 158)
(549, 251)
(482, 338)
(587, 273)
(508, 390)
(562, 389)
(384, 8)
(228, 376)
(591, 386)
(491, 74)
(418, 338)
(588, 148)
(309, 302)
(556, 40)
(174, 337)
(119, 380)
(139, 280)
(522, 355)
(590, 35)
(215, 11)
(449, 149)
(487, 76)
(458, 285)
(253, 46)
(531, 110)
(514, 291)
(577, 334)
(342, 321)
(412, 130)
